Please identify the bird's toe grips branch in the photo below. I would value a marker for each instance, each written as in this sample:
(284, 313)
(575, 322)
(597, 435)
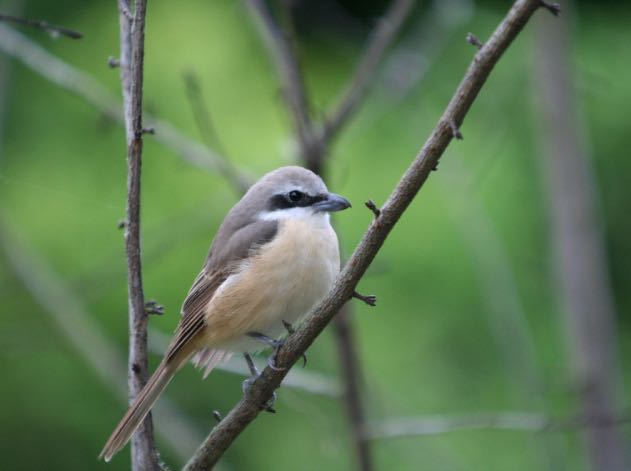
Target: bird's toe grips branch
(369, 299)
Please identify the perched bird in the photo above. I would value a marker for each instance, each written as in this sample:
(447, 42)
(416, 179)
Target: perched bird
(273, 259)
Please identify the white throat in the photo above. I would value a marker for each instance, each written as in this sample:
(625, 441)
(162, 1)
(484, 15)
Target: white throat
(306, 214)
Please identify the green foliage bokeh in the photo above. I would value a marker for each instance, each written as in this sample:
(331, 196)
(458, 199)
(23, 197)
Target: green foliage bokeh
(430, 347)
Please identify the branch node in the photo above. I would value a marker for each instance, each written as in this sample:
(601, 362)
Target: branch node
(135, 367)
(121, 224)
(113, 62)
(370, 204)
(152, 307)
(148, 130)
(370, 299)
(553, 8)
(472, 39)
(124, 9)
(217, 416)
(288, 327)
(455, 130)
(435, 167)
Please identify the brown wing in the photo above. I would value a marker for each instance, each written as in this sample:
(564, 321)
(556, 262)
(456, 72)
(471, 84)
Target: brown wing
(220, 264)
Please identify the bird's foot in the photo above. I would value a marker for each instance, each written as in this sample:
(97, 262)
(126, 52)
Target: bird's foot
(270, 342)
(247, 384)
(276, 345)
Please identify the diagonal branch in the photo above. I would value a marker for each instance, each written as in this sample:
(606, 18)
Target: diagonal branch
(89, 89)
(314, 152)
(42, 25)
(364, 74)
(144, 456)
(204, 124)
(77, 326)
(281, 49)
(254, 400)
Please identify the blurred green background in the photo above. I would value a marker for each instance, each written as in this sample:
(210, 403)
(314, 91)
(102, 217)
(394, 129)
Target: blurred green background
(435, 345)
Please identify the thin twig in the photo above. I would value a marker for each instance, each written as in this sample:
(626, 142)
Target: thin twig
(207, 131)
(370, 204)
(314, 148)
(504, 311)
(281, 49)
(92, 91)
(43, 25)
(364, 74)
(473, 40)
(298, 379)
(144, 455)
(515, 421)
(314, 155)
(77, 326)
(261, 390)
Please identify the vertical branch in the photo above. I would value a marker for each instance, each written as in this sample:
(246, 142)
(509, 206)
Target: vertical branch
(585, 293)
(314, 147)
(132, 37)
(262, 389)
(350, 365)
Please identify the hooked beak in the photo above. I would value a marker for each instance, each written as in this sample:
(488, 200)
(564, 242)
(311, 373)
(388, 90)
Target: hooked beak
(332, 202)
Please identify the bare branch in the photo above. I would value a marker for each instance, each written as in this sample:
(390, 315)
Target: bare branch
(298, 379)
(71, 318)
(504, 311)
(87, 87)
(586, 300)
(313, 152)
(207, 131)
(364, 74)
(514, 421)
(123, 9)
(144, 455)
(54, 30)
(281, 49)
(351, 372)
(261, 390)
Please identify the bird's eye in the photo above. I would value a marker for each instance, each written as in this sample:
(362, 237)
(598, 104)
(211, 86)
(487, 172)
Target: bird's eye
(295, 196)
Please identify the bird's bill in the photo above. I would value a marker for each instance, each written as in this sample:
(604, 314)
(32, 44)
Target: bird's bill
(332, 202)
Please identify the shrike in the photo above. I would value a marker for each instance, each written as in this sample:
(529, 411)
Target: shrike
(273, 259)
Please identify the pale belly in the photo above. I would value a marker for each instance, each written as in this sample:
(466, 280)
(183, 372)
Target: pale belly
(283, 283)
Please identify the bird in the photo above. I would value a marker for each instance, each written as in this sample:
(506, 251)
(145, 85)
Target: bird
(274, 257)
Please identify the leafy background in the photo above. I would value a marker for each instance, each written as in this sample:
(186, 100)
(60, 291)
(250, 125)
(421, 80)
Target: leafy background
(432, 346)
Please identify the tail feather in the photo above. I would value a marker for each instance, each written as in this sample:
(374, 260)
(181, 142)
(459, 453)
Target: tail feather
(139, 409)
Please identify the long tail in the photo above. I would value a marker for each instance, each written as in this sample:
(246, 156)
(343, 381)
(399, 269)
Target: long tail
(140, 408)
